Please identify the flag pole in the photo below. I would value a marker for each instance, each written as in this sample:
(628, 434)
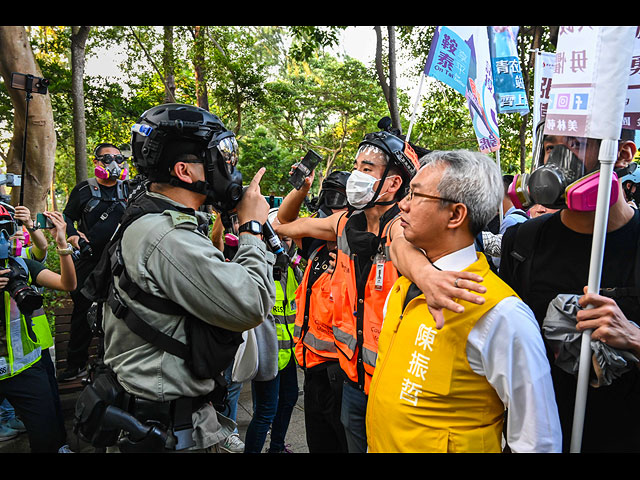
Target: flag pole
(415, 106)
(608, 155)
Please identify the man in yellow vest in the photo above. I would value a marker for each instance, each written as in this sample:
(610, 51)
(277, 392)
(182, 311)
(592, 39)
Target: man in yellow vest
(447, 389)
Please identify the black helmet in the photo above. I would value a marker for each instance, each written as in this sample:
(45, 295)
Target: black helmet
(400, 153)
(169, 133)
(333, 194)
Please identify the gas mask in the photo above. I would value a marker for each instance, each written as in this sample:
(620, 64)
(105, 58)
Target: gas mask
(559, 178)
(165, 132)
(224, 180)
(629, 178)
(115, 167)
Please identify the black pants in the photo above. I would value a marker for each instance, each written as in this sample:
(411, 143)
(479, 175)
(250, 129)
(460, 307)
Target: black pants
(322, 403)
(37, 404)
(81, 335)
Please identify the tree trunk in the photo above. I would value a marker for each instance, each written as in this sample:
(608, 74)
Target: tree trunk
(393, 89)
(199, 67)
(527, 48)
(78, 41)
(168, 65)
(389, 90)
(16, 56)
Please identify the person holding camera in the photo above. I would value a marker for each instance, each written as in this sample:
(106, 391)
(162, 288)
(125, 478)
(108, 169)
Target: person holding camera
(29, 242)
(24, 379)
(95, 206)
(176, 310)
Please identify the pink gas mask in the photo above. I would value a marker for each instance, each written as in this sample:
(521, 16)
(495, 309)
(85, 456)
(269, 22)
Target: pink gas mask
(115, 167)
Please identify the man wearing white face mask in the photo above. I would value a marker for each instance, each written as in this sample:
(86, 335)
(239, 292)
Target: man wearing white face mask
(364, 273)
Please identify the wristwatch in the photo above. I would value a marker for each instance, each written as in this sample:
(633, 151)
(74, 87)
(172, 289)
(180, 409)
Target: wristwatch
(252, 226)
(65, 251)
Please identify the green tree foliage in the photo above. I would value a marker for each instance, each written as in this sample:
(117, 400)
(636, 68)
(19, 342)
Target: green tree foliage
(278, 88)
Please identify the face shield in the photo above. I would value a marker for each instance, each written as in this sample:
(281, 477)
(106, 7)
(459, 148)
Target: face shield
(563, 175)
(333, 199)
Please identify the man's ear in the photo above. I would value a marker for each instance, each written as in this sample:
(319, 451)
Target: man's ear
(396, 184)
(459, 214)
(181, 171)
(626, 152)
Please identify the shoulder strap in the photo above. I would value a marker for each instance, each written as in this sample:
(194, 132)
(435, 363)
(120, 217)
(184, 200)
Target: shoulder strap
(142, 206)
(94, 187)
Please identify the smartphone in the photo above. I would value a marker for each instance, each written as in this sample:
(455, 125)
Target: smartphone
(304, 169)
(42, 221)
(29, 83)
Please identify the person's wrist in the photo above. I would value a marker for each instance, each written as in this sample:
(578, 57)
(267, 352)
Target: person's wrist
(252, 227)
(67, 249)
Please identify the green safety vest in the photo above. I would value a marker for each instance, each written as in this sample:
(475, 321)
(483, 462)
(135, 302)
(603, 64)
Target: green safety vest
(23, 348)
(40, 322)
(284, 312)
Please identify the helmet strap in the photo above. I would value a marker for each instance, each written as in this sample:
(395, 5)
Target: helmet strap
(372, 203)
(199, 186)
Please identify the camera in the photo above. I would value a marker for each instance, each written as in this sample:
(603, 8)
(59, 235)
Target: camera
(26, 298)
(85, 250)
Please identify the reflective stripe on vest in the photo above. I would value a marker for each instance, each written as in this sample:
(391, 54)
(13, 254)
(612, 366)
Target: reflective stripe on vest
(22, 351)
(284, 312)
(313, 330)
(357, 320)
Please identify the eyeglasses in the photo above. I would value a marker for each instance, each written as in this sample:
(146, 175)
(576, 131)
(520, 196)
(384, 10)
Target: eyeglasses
(413, 193)
(108, 158)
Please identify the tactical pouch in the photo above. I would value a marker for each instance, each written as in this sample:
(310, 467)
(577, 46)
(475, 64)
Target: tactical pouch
(212, 349)
(89, 421)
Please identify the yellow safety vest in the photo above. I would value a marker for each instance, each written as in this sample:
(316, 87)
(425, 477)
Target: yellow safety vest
(284, 311)
(40, 321)
(424, 397)
(22, 346)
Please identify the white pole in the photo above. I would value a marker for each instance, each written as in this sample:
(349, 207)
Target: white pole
(415, 106)
(501, 203)
(608, 155)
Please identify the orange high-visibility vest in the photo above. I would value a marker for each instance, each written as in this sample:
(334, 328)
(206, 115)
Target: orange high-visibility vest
(313, 333)
(357, 316)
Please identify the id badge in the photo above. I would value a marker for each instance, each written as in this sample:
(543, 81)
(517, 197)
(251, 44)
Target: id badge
(379, 261)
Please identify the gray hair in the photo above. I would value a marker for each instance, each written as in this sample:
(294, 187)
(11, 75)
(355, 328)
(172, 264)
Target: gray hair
(471, 178)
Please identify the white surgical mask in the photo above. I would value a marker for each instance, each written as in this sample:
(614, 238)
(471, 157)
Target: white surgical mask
(360, 189)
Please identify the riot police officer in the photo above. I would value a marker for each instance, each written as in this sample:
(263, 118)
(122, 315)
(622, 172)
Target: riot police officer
(171, 280)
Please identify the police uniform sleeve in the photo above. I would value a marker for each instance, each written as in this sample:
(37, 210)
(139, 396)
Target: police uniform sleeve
(193, 273)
